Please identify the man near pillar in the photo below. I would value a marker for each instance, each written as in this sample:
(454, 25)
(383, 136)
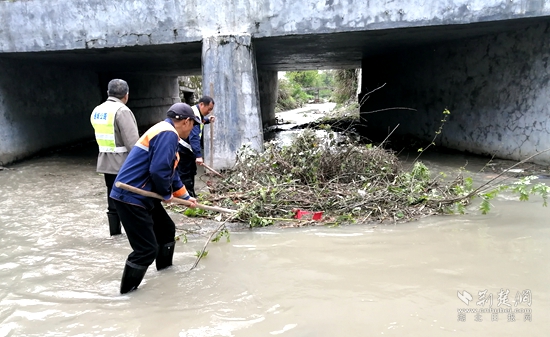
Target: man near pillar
(116, 132)
(192, 155)
(151, 166)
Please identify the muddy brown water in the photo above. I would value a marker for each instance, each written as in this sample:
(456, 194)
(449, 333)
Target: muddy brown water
(60, 272)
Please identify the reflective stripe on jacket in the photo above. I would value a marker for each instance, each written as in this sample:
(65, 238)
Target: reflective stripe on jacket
(151, 166)
(198, 114)
(102, 119)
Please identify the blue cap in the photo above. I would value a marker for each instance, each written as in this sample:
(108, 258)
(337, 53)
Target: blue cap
(182, 111)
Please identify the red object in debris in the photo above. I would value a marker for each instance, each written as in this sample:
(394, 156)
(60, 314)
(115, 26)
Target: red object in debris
(317, 215)
(299, 214)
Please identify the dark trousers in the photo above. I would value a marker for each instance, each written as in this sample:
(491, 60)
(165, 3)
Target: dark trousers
(147, 230)
(187, 170)
(109, 181)
(189, 182)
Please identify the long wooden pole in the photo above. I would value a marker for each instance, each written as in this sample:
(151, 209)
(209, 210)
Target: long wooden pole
(211, 170)
(212, 131)
(175, 200)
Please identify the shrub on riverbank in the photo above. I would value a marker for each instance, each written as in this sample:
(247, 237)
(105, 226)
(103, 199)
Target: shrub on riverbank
(289, 96)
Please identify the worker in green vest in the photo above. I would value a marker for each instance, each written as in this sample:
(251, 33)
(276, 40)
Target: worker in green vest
(190, 149)
(116, 132)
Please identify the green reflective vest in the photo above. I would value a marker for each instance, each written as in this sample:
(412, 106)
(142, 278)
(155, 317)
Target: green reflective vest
(103, 121)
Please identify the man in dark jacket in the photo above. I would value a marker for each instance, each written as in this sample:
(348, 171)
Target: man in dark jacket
(187, 168)
(151, 166)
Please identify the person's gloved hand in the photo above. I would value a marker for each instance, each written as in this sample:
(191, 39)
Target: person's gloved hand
(194, 202)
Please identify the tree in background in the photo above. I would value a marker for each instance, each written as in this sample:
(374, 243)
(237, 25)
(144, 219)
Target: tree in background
(326, 78)
(345, 81)
(291, 94)
(327, 84)
(305, 79)
(191, 82)
(299, 87)
(285, 99)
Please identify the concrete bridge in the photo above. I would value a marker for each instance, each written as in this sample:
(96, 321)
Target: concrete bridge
(485, 60)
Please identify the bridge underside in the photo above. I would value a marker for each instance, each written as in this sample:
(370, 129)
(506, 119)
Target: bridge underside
(480, 71)
(280, 53)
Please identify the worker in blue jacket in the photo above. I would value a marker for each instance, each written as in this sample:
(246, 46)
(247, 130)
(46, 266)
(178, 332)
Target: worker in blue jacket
(187, 168)
(151, 166)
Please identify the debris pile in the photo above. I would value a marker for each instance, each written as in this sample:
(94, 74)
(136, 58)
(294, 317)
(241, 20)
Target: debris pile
(327, 172)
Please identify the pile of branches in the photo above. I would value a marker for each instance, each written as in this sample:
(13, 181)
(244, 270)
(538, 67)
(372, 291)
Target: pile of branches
(323, 171)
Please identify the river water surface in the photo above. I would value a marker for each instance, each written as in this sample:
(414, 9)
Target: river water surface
(60, 271)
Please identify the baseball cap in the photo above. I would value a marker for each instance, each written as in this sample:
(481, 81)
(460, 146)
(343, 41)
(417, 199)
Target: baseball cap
(182, 111)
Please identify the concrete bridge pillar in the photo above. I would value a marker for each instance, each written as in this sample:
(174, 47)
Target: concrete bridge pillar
(268, 85)
(230, 78)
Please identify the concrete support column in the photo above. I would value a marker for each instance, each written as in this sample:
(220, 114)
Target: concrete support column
(269, 86)
(230, 78)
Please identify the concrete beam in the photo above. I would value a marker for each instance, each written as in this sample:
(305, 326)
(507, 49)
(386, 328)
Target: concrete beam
(54, 25)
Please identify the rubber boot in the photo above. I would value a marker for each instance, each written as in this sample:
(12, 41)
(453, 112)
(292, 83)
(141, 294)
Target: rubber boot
(114, 223)
(132, 277)
(165, 255)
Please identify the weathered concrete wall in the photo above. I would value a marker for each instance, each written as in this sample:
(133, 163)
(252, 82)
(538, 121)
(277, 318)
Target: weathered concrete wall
(268, 86)
(497, 89)
(230, 77)
(151, 96)
(43, 107)
(46, 25)
(48, 107)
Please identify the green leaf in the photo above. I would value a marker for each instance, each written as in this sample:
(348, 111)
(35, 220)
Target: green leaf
(460, 208)
(194, 212)
(468, 184)
(485, 206)
(198, 253)
(523, 196)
